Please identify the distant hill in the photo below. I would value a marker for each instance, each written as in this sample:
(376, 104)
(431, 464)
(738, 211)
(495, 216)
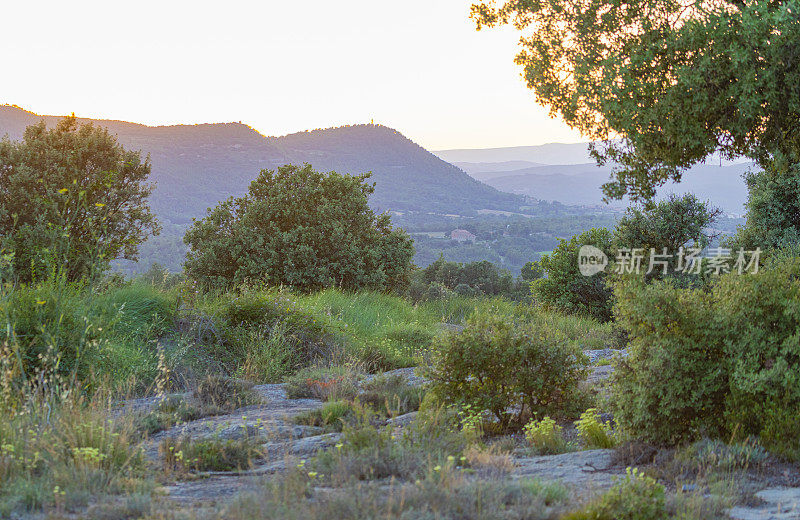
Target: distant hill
(196, 166)
(551, 153)
(565, 173)
(581, 184)
(489, 169)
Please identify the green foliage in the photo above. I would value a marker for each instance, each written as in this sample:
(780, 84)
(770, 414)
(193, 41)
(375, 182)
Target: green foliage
(469, 279)
(301, 229)
(71, 197)
(546, 436)
(261, 334)
(593, 432)
(565, 287)
(711, 363)
(670, 224)
(672, 384)
(497, 364)
(676, 82)
(532, 271)
(773, 209)
(635, 497)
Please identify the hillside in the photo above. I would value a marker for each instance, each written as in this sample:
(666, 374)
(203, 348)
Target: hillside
(196, 166)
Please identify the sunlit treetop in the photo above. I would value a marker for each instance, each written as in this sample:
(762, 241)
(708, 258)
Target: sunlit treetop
(663, 83)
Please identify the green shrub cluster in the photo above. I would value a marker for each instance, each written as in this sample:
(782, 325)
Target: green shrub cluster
(713, 363)
(514, 370)
(565, 288)
(635, 497)
(443, 279)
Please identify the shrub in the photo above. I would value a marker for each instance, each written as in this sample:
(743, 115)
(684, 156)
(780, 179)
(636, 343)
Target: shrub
(546, 436)
(635, 497)
(593, 432)
(170, 411)
(565, 288)
(497, 365)
(673, 383)
(712, 363)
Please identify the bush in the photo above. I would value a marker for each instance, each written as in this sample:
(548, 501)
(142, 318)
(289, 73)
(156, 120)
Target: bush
(712, 363)
(635, 497)
(593, 432)
(565, 288)
(498, 365)
(546, 436)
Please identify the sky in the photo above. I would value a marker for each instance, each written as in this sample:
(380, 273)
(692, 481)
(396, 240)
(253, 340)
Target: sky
(418, 66)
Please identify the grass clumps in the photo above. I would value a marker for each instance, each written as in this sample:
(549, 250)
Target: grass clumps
(332, 416)
(432, 497)
(324, 383)
(71, 446)
(212, 454)
(391, 395)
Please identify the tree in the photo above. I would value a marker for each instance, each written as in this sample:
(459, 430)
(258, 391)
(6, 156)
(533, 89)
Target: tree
(569, 290)
(669, 224)
(302, 229)
(773, 210)
(664, 83)
(531, 271)
(71, 197)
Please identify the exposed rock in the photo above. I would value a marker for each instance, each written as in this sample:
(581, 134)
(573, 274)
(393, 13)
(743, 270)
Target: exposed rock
(590, 470)
(779, 504)
(402, 421)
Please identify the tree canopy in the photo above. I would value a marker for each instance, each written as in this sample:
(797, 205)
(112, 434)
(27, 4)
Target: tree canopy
(71, 198)
(303, 229)
(664, 83)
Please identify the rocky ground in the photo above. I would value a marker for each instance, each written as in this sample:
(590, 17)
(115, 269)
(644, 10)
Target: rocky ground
(586, 473)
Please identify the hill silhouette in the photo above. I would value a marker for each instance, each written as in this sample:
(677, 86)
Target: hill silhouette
(196, 166)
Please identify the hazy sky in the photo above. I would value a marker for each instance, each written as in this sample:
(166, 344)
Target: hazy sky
(281, 66)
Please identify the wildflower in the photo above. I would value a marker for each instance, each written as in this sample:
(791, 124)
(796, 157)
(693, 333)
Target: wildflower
(312, 474)
(99, 204)
(437, 468)
(450, 458)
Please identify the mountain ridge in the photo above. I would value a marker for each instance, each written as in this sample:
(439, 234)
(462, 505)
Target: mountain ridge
(197, 166)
